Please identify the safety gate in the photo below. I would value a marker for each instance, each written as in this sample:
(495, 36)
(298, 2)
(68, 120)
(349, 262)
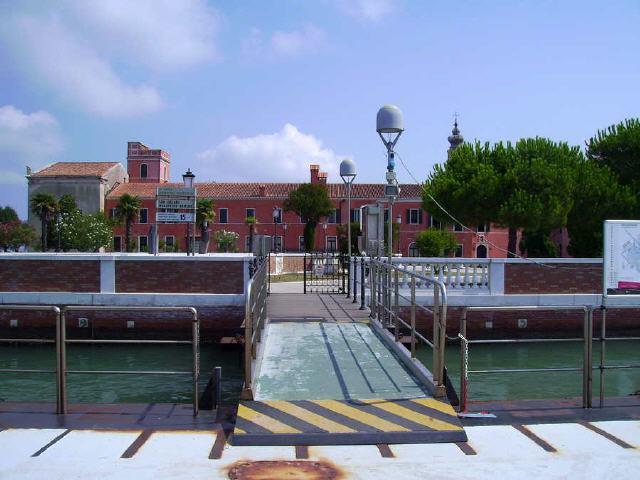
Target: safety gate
(325, 272)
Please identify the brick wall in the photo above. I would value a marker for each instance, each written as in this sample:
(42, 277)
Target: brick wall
(175, 276)
(49, 276)
(556, 278)
(290, 263)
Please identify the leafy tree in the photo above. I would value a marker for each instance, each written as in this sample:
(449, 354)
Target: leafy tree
(599, 196)
(226, 241)
(15, 234)
(435, 242)
(618, 147)
(204, 214)
(67, 203)
(537, 244)
(8, 214)
(343, 238)
(85, 232)
(127, 211)
(311, 202)
(251, 223)
(528, 185)
(44, 206)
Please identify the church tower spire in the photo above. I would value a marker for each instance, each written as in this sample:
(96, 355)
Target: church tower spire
(455, 139)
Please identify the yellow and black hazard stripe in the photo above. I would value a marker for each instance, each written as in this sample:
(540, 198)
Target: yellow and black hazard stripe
(335, 422)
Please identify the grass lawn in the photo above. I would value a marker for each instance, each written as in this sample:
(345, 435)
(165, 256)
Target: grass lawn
(288, 277)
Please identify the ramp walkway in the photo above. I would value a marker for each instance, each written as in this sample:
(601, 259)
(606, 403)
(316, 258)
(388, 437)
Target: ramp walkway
(325, 376)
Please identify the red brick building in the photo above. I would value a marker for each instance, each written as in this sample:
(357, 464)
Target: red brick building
(234, 202)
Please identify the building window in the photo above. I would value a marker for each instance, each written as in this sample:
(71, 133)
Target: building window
(247, 241)
(481, 251)
(458, 252)
(433, 223)
(332, 244)
(277, 218)
(277, 246)
(143, 244)
(165, 173)
(334, 216)
(143, 170)
(223, 215)
(117, 244)
(143, 216)
(413, 250)
(113, 212)
(386, 215)
(251, 212)
(301, 243)
(169, 242)
(483, 228)
(414, 216)
(458, 228)
(355, 215)
(302, 220)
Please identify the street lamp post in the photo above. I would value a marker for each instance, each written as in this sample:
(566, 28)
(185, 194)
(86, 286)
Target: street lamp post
(188, 181)
(324, 227)
(276, 211)
(348, 174)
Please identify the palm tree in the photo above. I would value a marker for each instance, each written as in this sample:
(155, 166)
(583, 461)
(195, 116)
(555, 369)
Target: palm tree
(251, 223)
(126, 211)
(44, 206)
(204, 215)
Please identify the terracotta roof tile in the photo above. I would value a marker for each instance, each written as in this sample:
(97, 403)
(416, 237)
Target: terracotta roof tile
(75, 169)
(271, 190)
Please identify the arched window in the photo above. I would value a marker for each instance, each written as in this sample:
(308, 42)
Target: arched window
(481, 251)
(143, 170)
(413, 250)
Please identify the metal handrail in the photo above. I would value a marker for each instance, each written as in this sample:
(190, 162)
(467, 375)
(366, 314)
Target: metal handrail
(255, 308)
(603, 340)
(195, 342)
(59, 356)
(385, 305)
(587, 339)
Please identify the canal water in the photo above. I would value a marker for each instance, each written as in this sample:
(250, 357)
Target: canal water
(160, 389)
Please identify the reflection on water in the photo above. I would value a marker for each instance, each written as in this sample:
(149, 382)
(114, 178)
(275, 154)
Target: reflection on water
(83, 388)
(152, 388)
(513, 386)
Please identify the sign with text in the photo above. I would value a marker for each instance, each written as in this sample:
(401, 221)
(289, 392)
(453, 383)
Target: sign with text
(175, 192)
(621, 272)
(176, 203)
(174, 217)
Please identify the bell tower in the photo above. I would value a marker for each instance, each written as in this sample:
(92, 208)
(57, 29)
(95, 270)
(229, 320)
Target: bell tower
(146, 165)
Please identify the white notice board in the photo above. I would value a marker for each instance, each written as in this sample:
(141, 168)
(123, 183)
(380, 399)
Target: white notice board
(621, 272)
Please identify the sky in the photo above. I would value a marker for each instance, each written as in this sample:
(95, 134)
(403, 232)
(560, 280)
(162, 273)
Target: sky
(257, 90)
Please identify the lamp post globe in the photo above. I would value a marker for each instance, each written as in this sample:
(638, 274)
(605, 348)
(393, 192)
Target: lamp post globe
(348, 175)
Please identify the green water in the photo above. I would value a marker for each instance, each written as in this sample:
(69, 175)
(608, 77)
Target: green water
(159, 389)
(514, 386)
(84, 388)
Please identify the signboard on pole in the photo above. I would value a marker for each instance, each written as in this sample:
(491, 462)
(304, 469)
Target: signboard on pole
(621, 272)
(175, 192)
(177, 217)
(176, 203)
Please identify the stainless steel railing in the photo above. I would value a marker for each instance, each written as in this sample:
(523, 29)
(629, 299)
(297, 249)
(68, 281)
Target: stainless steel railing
(254, 321)
(384, 281)
(602, 366)
(587, 340)
(61, 343)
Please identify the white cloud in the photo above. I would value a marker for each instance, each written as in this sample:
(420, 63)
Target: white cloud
(158, 33)
(308, 40)
(79, 74)
(368, 10)
(283, 156)
(26, 139)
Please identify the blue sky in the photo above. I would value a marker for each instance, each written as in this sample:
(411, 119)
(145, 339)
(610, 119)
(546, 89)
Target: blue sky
(258, 90)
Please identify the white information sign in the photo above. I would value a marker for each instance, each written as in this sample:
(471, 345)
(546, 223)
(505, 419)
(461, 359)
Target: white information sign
(176, 203)
(174, 217)
(175, 192)
(621, 257)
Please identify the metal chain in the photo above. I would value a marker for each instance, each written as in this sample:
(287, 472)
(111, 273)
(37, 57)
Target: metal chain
(466, 355)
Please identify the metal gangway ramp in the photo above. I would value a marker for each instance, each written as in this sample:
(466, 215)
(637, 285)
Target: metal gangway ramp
(325, 375)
